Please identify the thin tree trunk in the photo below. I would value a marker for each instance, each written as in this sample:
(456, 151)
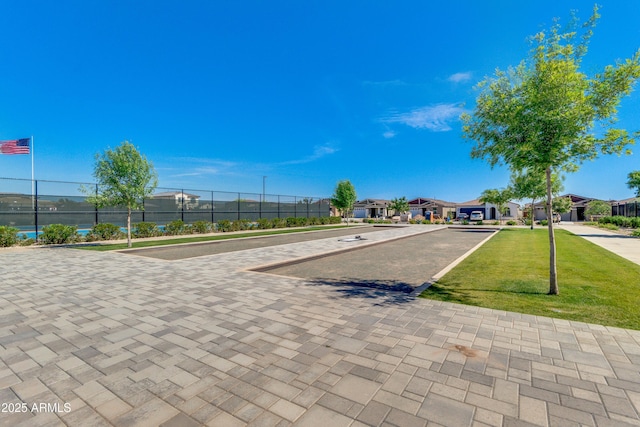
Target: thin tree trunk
(532, 211)
(128, 227)
(553, 274)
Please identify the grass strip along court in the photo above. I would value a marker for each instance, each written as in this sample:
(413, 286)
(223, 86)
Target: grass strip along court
(510, 272)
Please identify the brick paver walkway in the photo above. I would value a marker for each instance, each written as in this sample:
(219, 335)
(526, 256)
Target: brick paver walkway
(132, 341)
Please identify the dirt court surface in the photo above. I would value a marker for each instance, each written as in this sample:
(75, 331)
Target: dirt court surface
(176, 252)
(399, 265)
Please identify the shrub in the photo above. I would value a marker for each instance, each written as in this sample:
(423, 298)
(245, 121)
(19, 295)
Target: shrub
(313, 220)
(495, 223)
(278, 223)
(544, 222)
(265, 224)
(479, 222)
(296, 222)
(609, 226)
(334, 219)
(465, 222)
(621, 221)
(26, 241)
(511, 222)
(291, 222)
(241, 224)
(8, 236)
(635, 233)
(223, 225)
(175, 228)
(145, 229)
(104, 231)
(202, 227)
(527, 222)
(57, 234)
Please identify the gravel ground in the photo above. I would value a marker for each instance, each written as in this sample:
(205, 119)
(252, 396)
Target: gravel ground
(190, 250)
(399, 265)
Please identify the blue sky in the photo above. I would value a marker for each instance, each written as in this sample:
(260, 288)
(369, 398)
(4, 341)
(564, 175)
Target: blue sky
(219, 94)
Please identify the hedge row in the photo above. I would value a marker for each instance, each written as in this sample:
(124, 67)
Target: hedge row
(61, 234)
(621, 221)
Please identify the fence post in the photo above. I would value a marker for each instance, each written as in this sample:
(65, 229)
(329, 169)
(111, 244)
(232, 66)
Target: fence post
(278, 206)
(238, 206)
(308, 198)
(182, 206)
(212, 207)
(96, 205)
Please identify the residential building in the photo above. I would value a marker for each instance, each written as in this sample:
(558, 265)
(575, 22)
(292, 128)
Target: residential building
(579, 204)
(428, 207)
(489, 210)
(371, 208)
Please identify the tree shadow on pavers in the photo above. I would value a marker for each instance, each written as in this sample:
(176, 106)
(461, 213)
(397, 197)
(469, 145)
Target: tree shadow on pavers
(383, 291)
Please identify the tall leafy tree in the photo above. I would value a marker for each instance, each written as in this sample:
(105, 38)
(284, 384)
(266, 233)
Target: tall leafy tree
(633, 182)
(548, 115)
(500, 198)
(598, 208)
(561, 205)
(400, 205)
(344, 196)
(125, 178)
(532, 184)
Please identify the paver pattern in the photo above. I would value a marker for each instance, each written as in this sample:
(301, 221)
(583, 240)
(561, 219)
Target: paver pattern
(134, 341)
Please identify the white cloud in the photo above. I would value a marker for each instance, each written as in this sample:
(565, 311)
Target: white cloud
(389, 134)
(435, 118)
(460, 77)
(319, 151)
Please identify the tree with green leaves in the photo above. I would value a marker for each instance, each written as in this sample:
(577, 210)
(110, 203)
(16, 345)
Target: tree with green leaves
(561, 205)
(344, 196)
(530, 184)
(547, 114)
(399, 205)
(633, 182)
(125, 178)
(597, 208)
(500, 198)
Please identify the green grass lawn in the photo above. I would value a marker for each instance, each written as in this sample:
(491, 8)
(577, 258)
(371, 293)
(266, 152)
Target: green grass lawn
(511, 272)
(209, 238)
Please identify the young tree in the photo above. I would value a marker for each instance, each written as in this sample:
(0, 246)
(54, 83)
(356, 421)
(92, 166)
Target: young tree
(344, 196)
(561, 205)
(634, 182)
(530, 184)
(548, 115)
(598, 208)
(500, 198)
(399, 205)
(125, 178)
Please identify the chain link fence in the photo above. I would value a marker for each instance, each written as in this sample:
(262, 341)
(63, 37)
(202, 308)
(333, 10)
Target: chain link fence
(30, 205)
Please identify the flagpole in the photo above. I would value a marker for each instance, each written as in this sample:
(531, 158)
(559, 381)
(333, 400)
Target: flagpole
(33, 182)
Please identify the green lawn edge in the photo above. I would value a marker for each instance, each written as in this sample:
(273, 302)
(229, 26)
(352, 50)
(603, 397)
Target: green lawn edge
(209, 238)
(511, 273)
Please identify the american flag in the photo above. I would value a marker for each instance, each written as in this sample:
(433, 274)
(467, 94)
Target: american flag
(16, 146)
